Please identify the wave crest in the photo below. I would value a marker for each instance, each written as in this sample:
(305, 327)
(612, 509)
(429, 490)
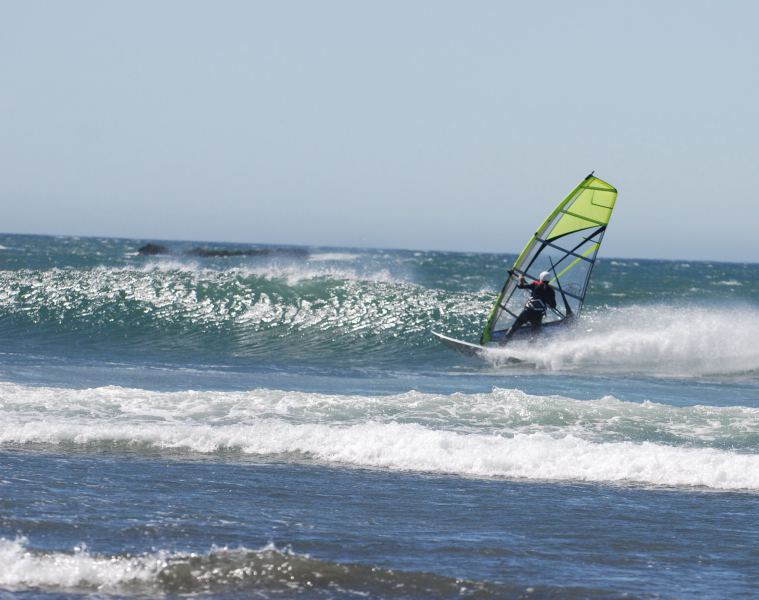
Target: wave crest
(266, 570)
(505, 433)
(293, 311)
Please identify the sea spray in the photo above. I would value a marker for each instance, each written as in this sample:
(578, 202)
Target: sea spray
(657, 339)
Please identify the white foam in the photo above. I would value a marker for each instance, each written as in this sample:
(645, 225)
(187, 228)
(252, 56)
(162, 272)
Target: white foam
(295, 273)
(333, 256)
(659, 339)
(22, 569)
(412, 447)
(290, 272)
(147, 575)
(499, 411)
(505, 433)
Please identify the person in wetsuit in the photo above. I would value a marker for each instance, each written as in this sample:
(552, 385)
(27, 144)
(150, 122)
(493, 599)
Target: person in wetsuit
(542, 297)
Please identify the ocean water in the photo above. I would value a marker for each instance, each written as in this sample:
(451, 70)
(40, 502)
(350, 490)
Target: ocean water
(284, 425)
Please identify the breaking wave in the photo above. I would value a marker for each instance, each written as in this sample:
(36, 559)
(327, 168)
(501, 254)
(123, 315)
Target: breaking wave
(294, 311)
(365, 309)
(504, 433)
(262, 571)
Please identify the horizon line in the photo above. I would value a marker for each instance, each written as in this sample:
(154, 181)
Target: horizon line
(392, 248)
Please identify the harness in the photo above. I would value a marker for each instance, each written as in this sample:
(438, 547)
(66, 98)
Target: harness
(537, 305)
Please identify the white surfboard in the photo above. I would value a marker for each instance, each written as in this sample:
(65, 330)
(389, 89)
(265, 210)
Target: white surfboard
(470, 349)
(459, 345)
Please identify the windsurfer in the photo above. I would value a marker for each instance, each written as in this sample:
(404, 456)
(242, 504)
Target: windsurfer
(542, 297)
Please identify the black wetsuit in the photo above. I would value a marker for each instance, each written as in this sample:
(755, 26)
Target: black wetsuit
(542, 296)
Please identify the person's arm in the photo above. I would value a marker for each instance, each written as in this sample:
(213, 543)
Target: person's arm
(521, 284)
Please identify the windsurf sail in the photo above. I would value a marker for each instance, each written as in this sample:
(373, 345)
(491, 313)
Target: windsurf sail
(565, 245)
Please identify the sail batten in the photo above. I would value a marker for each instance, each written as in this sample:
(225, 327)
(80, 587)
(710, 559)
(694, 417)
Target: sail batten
(563, 246)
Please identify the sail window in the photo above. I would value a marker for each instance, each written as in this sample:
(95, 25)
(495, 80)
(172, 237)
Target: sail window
(566, 246)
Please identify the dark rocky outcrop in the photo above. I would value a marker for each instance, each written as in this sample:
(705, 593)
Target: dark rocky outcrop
(158, 249)
(153, 250)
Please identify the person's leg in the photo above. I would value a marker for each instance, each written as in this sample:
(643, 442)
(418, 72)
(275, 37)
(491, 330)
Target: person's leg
(521, 320)
(536, 321)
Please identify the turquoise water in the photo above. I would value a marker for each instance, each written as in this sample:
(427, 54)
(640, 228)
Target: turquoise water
(285, 425)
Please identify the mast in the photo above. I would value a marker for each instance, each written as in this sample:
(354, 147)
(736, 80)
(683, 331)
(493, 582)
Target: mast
(566, 245)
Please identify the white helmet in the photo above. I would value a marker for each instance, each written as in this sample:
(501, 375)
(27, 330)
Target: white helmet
(544, 276)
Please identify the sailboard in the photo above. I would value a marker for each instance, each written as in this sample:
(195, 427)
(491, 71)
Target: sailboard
(566, 245)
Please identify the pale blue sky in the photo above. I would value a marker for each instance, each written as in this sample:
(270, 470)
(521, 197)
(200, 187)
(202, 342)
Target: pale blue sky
(433, 125)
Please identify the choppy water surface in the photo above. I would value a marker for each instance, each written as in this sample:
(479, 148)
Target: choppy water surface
(285, 425)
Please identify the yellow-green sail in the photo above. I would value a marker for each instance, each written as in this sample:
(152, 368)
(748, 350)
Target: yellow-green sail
(565, 245)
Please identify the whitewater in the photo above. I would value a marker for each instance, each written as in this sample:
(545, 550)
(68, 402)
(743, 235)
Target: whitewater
(284, 424)
(502, 434)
